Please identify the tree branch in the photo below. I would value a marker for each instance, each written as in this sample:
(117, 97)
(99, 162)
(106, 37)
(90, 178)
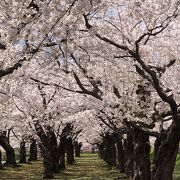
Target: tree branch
(10, 70)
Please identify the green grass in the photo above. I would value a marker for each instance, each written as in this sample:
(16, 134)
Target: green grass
(87, 167)
(177, 169)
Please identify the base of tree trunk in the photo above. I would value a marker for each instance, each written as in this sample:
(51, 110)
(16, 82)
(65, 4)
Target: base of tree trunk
(48, 177)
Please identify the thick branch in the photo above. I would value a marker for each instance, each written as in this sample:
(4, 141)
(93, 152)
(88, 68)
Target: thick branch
(93, 93)
(11, 69)
(141, 128)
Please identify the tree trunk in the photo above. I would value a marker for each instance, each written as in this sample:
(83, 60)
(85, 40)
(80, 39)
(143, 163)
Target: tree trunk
(62, 146)
(33, 150)
(166, 146)
(128, 149)
(47, 145)
(120, 156)
(77, 148)
(141, 156)
(55, 159)
(22, 152)
(47, 164)
(70, 151)
(10, 154)
(1, 166)
(62, 165)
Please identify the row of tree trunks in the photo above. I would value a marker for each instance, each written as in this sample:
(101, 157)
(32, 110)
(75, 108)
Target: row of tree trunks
(54, 153)
(10, 154)
(166, 150)
(32, 152)
(131, 156)
(107, 150)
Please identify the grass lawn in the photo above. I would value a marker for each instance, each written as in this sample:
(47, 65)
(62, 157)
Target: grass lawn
(87, 167)
(177, 169)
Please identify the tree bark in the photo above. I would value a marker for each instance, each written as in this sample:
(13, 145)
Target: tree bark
(47, 164)
(33, 150)
(22, 152)
(62, 165)
(120, 156)
(141, 156)
(128, 149)
(10, 154)
(70, 151)
(63, 146)
(46, 151)
(53, 148)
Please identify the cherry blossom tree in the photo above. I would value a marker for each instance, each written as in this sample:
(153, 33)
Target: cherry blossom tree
(117, 61)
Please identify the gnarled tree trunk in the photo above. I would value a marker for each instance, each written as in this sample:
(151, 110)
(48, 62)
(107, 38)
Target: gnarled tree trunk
(46, 151)
(10, 154)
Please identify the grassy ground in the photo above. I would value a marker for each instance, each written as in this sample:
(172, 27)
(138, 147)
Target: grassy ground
(87, 167)
(177, 169)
